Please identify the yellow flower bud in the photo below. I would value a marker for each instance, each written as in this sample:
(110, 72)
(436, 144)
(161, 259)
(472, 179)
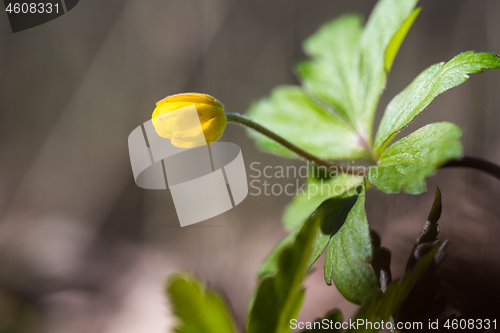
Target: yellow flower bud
(178, 118)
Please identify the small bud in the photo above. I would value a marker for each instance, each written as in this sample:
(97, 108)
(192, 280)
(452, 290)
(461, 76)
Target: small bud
(189, 120)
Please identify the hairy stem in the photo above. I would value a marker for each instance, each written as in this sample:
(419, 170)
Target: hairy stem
(242, 120)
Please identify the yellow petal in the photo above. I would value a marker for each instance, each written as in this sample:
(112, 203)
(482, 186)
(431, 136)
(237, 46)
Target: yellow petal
(178, 117)
(179, 120)
(189, 139)
(214, 128)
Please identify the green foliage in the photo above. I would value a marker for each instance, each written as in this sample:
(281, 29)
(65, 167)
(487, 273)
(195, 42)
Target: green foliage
(384, 23)
(333, 76)
(342, 86)
(349, 256)
(278, 298)
(348, 72)
(426, 87)
(330, 217)
(343, 231)
(331, 116)
(279, 294)
(406, 163)
(199, 309)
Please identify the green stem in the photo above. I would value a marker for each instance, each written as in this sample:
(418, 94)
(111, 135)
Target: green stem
(242, 120)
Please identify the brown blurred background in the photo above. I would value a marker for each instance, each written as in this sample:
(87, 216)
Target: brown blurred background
(83, 249)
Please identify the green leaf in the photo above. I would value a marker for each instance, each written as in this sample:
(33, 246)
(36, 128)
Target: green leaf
(330, 216)
(349, 256)
(198, 308)
(381, 307)
(278, 298)
(343, 228)
(398, 38)
(326, 324)
(406, 163)
(426, 87)
(345, 79)
(348, 71)
(293, 115)
(385, 21)
(315, 191)
(300, 209)
(333, 74)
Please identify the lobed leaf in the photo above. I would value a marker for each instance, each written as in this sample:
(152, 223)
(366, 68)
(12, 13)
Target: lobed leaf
(333, 75)
(425, 88)
(349, 256)
(384, 23)
(406, 163)
(330, 216)
(300, 209)
(198, 308)
(352, 246)
(290, 113)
